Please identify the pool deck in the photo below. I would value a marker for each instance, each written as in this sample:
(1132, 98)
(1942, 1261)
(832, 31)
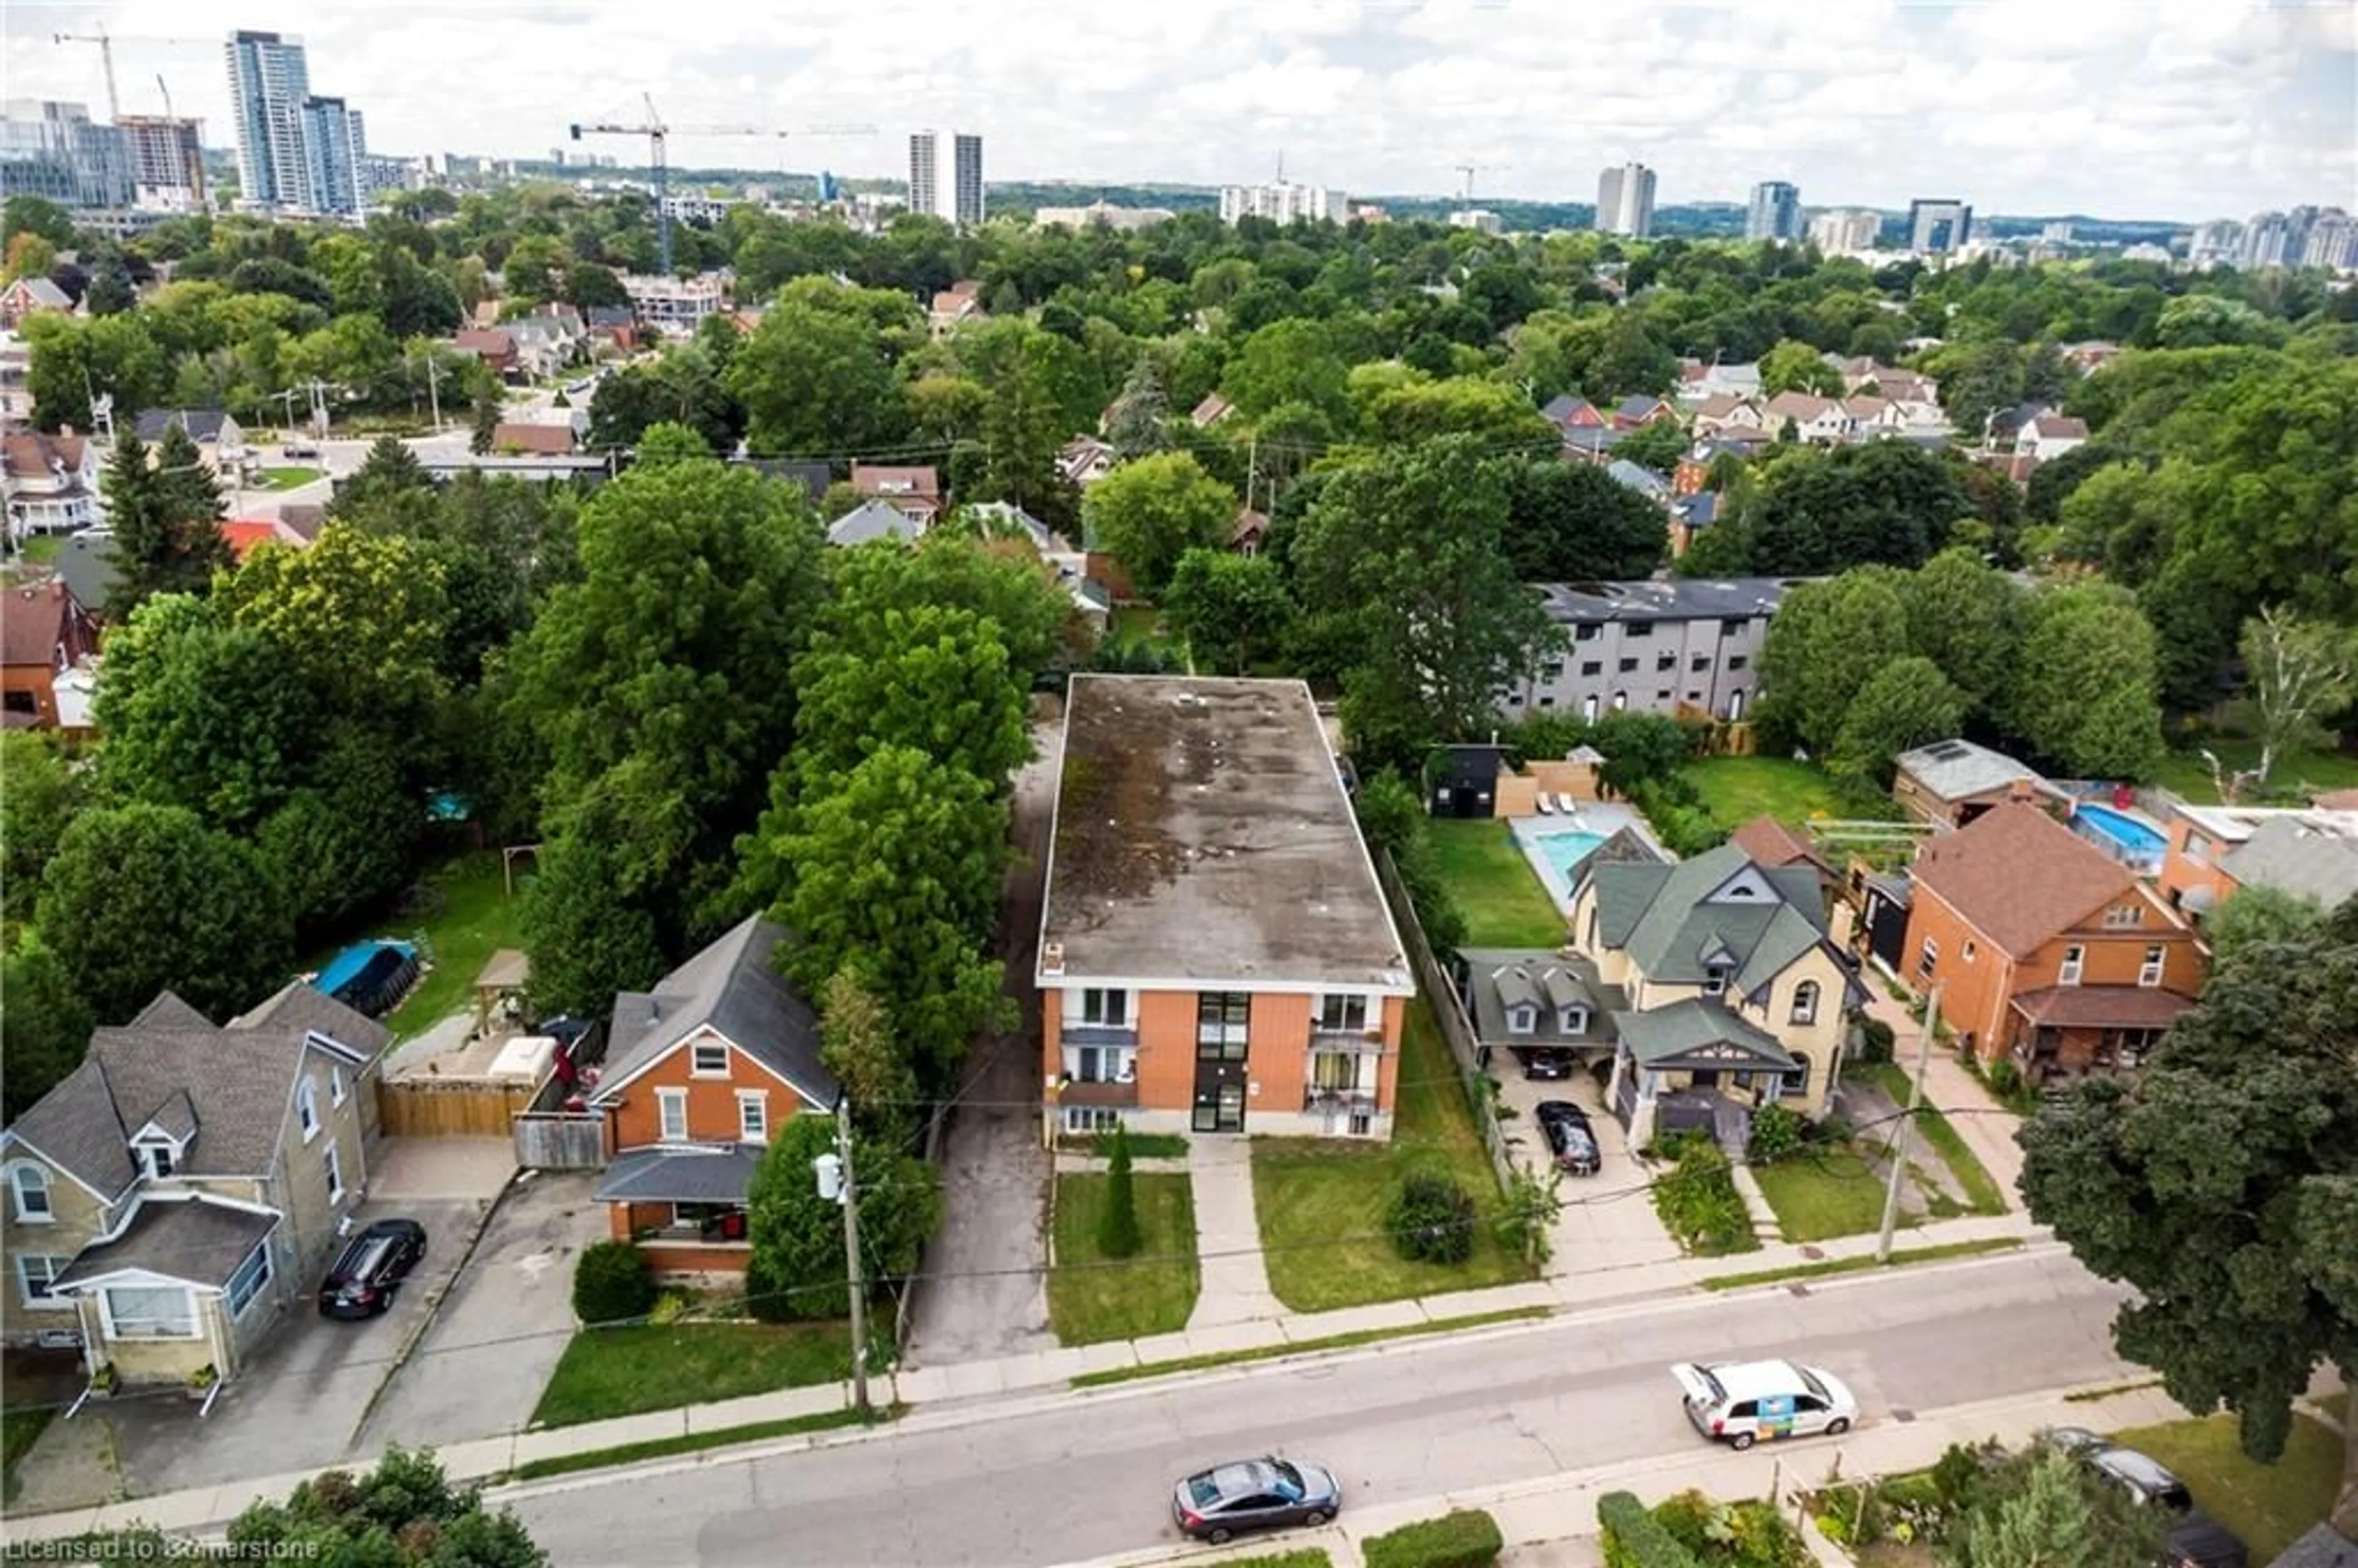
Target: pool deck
(1604, 818)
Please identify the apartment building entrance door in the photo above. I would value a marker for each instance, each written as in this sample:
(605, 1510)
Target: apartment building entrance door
(1220, 1096)
(1222, 1020)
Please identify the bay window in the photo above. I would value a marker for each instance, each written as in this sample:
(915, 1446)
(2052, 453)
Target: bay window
(149, 1312)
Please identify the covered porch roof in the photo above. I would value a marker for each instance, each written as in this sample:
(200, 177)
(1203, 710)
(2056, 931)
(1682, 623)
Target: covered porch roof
(2101, 1007)
(685, 1172)
(189, 1240)
(1698, 1033)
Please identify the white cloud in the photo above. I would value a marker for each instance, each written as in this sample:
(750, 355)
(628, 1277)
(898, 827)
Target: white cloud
(2164, 108)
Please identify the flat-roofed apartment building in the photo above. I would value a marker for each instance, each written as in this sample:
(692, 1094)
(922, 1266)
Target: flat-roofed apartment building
(1652, 648)
(1216, 952)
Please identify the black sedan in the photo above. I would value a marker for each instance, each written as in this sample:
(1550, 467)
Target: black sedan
(1254, 1494)
(1546, 1064)
(1569, 1137)
(369, 1275)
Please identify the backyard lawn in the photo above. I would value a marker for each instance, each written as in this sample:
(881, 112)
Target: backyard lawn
(621, 1371)
(473, 918)
(1822, 1192)
(1503, 902)
(1090, 1299)
(1320, 1201)
(2319, 772)
(1737, 789)
(2267, 1505)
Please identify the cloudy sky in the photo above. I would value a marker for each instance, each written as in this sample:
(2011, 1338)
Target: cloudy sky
(2176, 109)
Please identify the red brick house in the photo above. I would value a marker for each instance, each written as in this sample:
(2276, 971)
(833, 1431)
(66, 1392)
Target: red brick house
(915, 492)
(45, 634)
(698, 1071)
(495, 348)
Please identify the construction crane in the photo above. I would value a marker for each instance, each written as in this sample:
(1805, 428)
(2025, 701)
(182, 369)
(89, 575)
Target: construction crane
(106, 43)
(1465, 188)
(658, 133)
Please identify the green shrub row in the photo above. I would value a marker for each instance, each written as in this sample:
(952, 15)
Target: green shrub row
(1466, 1538)
(1633, 1537)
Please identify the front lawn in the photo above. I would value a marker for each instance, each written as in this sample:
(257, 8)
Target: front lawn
(473, 918)
(2316, 772)
(1092, 1298)
(289, 478)
(2268, 1506)
(1821, 1192)
(607, 1372)
(1982, 1195)
(19, 1430)
(1494, 886)
(1320, 1201)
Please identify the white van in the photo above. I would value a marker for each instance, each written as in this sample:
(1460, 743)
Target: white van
(1740, 1402)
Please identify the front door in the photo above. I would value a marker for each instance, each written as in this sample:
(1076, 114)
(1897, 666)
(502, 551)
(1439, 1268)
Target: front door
(1220, 1096)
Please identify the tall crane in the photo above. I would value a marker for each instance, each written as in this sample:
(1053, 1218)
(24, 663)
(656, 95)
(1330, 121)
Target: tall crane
(1465, 188)
(658, 133)
(106, 43)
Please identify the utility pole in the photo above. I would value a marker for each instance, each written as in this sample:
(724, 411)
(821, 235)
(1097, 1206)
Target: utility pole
(1900, 1141)
(433, 388)
(836, 1181)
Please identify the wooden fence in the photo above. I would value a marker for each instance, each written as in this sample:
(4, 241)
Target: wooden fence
(560, 1139)
(426, 1106)
(1449, 1013)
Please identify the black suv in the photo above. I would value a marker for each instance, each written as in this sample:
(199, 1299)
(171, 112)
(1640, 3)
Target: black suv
(374, 1263)
(1569, 1137)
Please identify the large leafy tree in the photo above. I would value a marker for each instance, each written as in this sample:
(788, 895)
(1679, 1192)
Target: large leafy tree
(1887, 502)
(2046, 1508)
(2087, 692)
(1407, 550)
(40, 794)
(213, 718)
(1148, 513)
(1230, 607)
(1008, 586)
(2222, 1185)
(1823, 636)
(141, 899)
(364, 615)
(1794, 366)
(1574, 523)
(2301, 672)
(818, 376)
(44, 1024)
(403, 1514)
(798, 1261)
(1968, 617)
(1904, 704)
(929, 676)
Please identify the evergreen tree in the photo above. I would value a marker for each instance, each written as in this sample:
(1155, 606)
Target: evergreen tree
(165, 514)
(1141, 414)
(487, 424)
(1118, 1232)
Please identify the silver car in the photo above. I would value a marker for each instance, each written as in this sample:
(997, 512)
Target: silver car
(1254, 1494)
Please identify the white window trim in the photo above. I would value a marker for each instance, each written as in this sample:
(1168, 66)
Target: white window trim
(146, 1148)
(665, 1100)
(333, 1159)
(56, 1266)
(1522, 1019)
(2150, 971)
(306, 1108)
(2075, 964)
(336, 1089)
(1572, 1021)
(22, 1213)
(1804, 1008)
(758, 1102)
(1714, 979)
(697, 1070)
(115, 1332)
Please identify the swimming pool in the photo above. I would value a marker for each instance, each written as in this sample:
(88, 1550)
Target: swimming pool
(2132, 840)
(1566, 850)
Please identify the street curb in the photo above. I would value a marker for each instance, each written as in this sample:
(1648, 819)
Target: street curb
(434, 1313)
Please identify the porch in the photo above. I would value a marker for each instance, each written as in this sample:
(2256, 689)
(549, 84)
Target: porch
(684, 1204)
(2066, 1031)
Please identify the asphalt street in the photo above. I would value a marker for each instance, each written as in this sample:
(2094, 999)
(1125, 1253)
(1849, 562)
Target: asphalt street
(1089, 1474)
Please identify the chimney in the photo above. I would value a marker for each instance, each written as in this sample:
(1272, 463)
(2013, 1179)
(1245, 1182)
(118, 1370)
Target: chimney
(66, 432)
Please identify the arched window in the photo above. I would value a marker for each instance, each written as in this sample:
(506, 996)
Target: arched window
(29, 1184)
(1805, 1003)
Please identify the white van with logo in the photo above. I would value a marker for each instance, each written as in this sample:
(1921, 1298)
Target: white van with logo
(1742, 1402)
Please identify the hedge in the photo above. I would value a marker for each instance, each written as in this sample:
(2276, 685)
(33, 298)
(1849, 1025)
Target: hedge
(1634, 1538)
(1466, 1538)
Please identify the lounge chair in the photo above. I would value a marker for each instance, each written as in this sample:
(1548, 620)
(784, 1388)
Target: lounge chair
(1547, 804)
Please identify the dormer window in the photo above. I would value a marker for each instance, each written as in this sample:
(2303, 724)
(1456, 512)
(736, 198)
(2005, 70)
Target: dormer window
(1714, 979)
(1522, 1019)
(1572, 1021)
(157, 1155)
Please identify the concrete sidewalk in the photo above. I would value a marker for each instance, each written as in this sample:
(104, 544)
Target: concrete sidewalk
(1227, 1237)
(1987, 1128)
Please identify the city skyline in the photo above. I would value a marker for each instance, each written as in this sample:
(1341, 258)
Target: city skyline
(2178, 113)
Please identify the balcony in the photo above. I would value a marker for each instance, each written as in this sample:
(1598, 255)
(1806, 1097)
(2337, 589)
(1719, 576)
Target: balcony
(1347, 1041)
(1354, 1101)
(1121, 1095)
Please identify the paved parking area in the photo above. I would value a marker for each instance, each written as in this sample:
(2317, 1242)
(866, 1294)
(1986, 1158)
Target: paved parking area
(481, 1369)
(1608, 1220)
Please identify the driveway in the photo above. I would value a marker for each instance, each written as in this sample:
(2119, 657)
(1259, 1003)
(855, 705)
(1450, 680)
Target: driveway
(481, 1367)
(1608, 1220)
(986, 1292)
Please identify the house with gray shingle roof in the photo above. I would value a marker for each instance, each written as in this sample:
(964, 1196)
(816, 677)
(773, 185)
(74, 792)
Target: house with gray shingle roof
(698, 1071)
(871, 521)
(1525, 998)
(172, 1197)
(1735, 997)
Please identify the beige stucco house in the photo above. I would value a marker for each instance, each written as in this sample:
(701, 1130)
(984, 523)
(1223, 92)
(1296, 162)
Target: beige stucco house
(182, 1189)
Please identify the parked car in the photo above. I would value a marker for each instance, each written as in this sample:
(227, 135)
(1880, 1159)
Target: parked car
(1569, 1138)
(369, 1275)
(1254, 1494)
(1547, 1065)
(2192, 1538)
(299, 447)
(1740, 1402)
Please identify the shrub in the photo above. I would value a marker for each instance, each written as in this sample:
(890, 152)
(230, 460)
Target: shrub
(1875, 1040)
(767, 1298)
(1432, 1220)
(1466, 1538)
(1731, 1535)
(1777, 1131)
(613, 1283)
(1698, 1201)
(1634, 1538)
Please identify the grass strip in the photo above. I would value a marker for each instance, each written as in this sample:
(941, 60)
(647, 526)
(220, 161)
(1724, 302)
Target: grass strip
(692, 1442)
(1863, 1263)
(1304, 1347)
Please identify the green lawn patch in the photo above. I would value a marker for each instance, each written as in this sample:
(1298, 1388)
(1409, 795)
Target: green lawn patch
(1825, 1190)
(1142, 1145)
(2313, 772)
(40, 549)
(1982, 1195)
(2269, 1505)
(1735, 790)
(1092, 1298)
(608, 1372)
(473, 918)
(19, 1430)
(693, 1443)
(1503, 902)
(289, 478)
(1321, 1201)
(1306, 1346)
(1861, 1263)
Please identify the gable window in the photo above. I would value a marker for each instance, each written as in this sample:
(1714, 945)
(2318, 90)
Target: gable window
(2124, 916)
(752, 1116)
(1108, 1008)
(1926, 957)
(156, 1157)
(1714, 979)
(2074, 959)
(1805, 1003)
(1522, 1019)
(2150, 972)
(251, 1276)
(29, 1184)
(1343, 1014)
(1222, 1021)
(149, 1312)
(306, 1108)
(708, 1059)
(336, 1083)
(36, 1272)
(335, 1173)
(1969, 950)
(671, 1115)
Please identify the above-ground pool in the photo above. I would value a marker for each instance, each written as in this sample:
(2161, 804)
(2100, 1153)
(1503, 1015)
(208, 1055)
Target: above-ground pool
(2136, 842)
(370, 977)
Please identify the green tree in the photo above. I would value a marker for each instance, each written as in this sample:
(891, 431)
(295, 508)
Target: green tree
(142, 899)
(483, 424)
(1010, 586)
(403, 1514)
(41, 795)
(364, 617)
(2300, 675)
(2222, 1184)
(166, 518)
(1118, 1231)
(1032, 379)
(1234, 606)
(1822, 637)
(2254, 919)
(2086, 694)
(588, 286)
(1968, 617)
(587, 915)
(212, 717)
(1289, 360)
(858, 1045)
(342, 844)
(1658, 446)
(797, 1235)
(1148, 513)
(36, 215)
(1904, 704)
(817, 380)
(1139, 420)
(1574, 523)
(1887, 502)
(44, 1024)
(2048, 1511)
(1794, 366)
(929, 676)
